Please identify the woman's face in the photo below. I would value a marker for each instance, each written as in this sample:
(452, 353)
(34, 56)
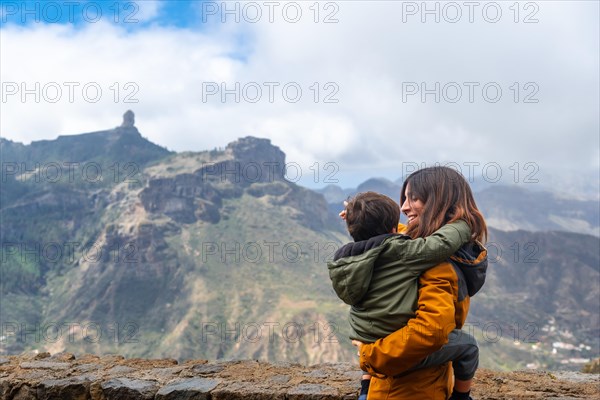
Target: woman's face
(412, 207)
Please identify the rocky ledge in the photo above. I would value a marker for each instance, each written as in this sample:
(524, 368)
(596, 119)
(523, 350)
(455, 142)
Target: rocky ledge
(63, 376)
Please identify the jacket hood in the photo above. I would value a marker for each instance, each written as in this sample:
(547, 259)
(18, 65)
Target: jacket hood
(360, 247)
(470, 263)
(352, 267)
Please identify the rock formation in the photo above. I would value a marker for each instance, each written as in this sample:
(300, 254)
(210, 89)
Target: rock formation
(128, 119)
(248, 165)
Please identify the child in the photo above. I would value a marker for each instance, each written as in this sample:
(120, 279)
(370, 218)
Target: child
(378, 276)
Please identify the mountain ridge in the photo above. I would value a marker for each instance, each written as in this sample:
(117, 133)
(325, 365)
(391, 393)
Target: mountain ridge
(215, 254)
(505, 207)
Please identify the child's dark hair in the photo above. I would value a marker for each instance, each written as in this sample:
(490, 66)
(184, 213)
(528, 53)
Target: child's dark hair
(371, 214)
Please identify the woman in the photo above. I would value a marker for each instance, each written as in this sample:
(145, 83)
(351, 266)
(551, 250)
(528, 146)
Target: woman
(430, 198)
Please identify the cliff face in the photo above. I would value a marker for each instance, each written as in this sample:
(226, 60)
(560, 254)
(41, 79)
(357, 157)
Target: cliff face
(217, 255)
(248, 165)
(89, 377)
(185, 255)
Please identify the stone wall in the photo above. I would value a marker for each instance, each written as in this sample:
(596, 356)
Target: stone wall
(89, 377)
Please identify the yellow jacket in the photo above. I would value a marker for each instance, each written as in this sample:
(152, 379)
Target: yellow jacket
(439, 311)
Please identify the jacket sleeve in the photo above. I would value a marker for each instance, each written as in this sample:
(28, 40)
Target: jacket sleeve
(420, 254)
(423, 335)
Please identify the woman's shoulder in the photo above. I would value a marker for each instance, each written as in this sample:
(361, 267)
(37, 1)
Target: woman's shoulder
(442, 273)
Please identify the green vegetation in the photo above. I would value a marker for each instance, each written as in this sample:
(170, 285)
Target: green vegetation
(593, 367)
(175, 265)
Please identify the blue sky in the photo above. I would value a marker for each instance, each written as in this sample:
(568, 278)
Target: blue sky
(127, 13)
(131, 15)
(371, 87)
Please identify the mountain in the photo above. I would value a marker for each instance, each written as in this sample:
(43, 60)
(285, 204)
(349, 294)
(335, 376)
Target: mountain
(514, 208)
(210, 254)
(539, 305)
(334, 194)
(508, 208)
(216, 255)
(57, 189)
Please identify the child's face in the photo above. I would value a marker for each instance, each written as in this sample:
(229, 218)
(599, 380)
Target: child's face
(412, 207)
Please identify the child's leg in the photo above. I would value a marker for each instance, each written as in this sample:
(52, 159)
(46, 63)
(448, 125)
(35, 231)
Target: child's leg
(462, 350)
(365, 381)
(462, 389)
(464, 365)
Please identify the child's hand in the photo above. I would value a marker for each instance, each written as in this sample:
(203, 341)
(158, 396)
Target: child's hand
(343, 212)
(358, 344)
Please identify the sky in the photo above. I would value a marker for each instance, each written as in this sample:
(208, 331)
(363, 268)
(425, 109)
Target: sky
(347, 89)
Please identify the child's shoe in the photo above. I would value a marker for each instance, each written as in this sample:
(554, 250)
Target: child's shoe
(460, 396)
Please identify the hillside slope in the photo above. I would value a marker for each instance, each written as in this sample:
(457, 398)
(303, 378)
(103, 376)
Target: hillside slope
(216, 255)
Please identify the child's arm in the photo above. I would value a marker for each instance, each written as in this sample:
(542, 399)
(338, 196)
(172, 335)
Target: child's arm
(423, 253)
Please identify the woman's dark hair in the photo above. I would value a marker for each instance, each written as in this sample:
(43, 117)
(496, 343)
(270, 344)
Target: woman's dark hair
(371, 214)
(447, 197)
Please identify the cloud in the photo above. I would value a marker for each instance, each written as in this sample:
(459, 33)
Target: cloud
(367, 92)
(146, 10)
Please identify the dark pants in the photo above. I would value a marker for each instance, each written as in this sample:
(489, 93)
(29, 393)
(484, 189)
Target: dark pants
(461, 349)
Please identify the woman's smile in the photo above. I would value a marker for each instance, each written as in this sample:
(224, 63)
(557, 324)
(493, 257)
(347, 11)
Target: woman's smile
(412, 207)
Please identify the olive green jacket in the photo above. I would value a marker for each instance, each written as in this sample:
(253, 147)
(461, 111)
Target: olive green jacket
(378, 277)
